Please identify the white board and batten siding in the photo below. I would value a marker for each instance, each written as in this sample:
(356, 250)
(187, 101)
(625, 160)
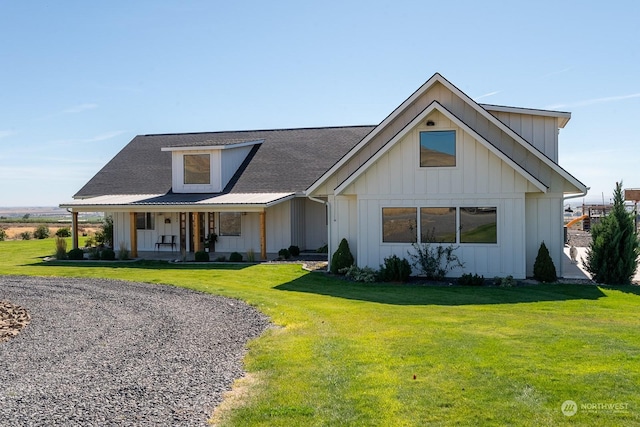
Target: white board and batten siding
(223, 165)
(479, 179)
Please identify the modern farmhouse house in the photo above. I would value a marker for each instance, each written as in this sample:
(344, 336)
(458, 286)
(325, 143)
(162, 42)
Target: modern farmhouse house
(441, 166)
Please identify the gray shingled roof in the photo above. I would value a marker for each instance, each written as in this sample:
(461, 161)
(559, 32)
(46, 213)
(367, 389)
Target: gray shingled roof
(289, 160)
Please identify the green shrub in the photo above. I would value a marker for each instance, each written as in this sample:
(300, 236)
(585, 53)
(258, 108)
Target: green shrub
(221, 258)
(105, 235)
(108, 254)
(357, 274)
(294, 250)
(507, 282)
(434, 260)
(61, 248)
(42, 232)
(395, 269)
(468, 279)
(543, 269)
(63, 232)
(76, 254)
(284, 253)
(202, 256)
(614, 249)
(3, 234)
(25, 235)
(93, 253)
(90, 241)
(235, 257)
(251, 255)
(323, 249)
(342, 258)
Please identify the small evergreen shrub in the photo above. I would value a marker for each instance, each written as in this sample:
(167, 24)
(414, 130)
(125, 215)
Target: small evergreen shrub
(202, 256)
(323, 249)
(108, 254)
(284, 253)
(25, 235)
(235, 257)
(364, 275)
(104, 236)
(469, 279)
(41, 232)
(3, 234)
(76, 254)
(342, 258)
(221, 258)
(395, 269)
(61, 248)
(63, 232)
(543, 269)
(294, 250)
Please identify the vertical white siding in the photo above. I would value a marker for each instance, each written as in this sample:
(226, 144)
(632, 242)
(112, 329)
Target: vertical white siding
(249, 237)
(544, 224)
(230, 161)
(315, 227)
(278, 226)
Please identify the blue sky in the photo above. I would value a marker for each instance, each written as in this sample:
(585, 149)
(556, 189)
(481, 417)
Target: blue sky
(80, 79)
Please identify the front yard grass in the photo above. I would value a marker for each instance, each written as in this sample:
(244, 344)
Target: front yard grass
(389, 355)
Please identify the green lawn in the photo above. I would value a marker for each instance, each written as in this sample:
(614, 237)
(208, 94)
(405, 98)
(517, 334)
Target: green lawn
(347, 354)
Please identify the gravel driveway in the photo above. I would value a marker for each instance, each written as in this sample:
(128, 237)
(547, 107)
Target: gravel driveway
(106, 352)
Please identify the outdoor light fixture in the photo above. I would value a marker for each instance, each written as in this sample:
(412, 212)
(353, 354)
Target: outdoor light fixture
(431, 123)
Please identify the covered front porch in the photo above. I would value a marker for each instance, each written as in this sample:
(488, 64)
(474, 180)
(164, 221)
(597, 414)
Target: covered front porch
(177, 226)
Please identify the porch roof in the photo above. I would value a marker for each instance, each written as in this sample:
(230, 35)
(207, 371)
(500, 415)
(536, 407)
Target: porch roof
(178, 202)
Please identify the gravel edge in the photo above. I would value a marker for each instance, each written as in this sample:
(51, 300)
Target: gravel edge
(107, 352)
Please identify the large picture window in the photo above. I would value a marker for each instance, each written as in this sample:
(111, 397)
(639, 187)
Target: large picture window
(478, 225)
(197, 169)
(399, 225)
(145, 221)
(438, 148)
(438, 225)
(230, 223)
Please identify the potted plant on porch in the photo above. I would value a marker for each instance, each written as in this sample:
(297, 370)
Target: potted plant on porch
(210, 242)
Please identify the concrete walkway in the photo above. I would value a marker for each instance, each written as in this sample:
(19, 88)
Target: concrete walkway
(578, 270)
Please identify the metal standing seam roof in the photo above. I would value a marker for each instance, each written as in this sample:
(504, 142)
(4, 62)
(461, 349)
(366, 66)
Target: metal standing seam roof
(174, 199)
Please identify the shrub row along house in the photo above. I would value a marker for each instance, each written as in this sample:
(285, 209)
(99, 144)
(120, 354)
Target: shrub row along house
(441, 166)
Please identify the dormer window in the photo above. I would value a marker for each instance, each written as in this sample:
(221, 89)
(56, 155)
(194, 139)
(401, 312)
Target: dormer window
(197, 169)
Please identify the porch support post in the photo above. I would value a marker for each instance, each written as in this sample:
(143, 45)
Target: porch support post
(196, 232)
(133, 233)
(263, 235)
(74, 228)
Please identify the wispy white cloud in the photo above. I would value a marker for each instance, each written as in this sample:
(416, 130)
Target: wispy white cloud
(486, 95)
(594, 101)
(79, 108)
(553, 73)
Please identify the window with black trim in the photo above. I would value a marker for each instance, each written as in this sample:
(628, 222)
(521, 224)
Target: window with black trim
(230, 223)
(478, 225)
(145, 221)
(197, 168)
(399, 225)
(438, 148)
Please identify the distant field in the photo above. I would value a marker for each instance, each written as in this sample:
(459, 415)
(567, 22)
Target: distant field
(15, 229)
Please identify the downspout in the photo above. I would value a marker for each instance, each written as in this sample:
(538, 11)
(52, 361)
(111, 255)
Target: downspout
(328, 206)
